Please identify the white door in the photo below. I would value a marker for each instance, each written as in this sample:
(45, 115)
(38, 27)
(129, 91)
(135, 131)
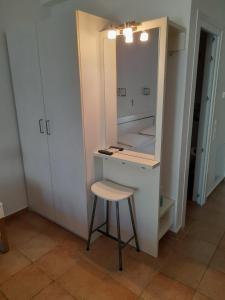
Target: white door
(203, 131)
(60, 75)
(26, 76)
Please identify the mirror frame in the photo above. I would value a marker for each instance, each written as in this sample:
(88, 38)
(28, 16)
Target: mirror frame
(109, 91)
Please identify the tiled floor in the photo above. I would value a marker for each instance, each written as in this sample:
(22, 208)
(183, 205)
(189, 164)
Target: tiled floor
(47, 262)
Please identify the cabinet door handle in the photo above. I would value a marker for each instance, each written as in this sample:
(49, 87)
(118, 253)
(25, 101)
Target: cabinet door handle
(41, 126)
(48, 127)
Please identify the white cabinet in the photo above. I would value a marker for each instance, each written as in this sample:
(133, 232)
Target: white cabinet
(57, 136)
(28, 91)
(61, 86)
(45, 76)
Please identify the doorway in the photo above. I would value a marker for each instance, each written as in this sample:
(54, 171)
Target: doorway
(203, 110)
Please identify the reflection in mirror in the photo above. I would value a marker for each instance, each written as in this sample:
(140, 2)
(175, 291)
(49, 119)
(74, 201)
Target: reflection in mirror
(137, 74)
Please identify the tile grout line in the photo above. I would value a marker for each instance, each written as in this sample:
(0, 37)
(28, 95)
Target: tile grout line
(208, 265)
(4, 295)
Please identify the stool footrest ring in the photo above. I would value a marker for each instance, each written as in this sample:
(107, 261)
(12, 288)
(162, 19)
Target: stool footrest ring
(97, 228)
(124, 244)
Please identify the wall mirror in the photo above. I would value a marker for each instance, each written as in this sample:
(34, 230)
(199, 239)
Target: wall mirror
(137, 75)
(133, 96)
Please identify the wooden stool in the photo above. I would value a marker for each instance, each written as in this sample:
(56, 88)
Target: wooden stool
(112, 192)
(4, 245)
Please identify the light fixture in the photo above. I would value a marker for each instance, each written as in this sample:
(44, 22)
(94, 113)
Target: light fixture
(112, 34)
(144, 36)
(127, 29)
(129, 39)
(128, 32)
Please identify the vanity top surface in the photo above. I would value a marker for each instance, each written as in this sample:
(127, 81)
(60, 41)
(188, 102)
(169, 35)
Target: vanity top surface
(123, 156)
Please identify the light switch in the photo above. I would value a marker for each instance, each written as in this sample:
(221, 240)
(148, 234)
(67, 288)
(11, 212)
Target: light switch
(223, 95)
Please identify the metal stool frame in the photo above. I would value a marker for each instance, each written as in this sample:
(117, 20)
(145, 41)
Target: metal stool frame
(121, 244)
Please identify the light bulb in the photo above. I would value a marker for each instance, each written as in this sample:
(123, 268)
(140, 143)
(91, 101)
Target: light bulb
(144, 36)
(127, 32)
(129, 39)
(111, 34)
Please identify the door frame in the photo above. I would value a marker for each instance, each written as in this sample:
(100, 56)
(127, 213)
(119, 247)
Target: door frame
(199, 195)
(205, 23)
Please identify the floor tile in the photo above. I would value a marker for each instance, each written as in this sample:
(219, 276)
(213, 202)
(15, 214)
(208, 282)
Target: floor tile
(73, 244)
(92, 283)
(11, 263)
(25, 284)
(210, 217)
(166, 249)
(199, 296)
(215, 204)
(135, 275)
(183, 231)
(218, 261)
(213, 285)
(36, 221)
(137, 269)
(53, 292)
(61, 256)
(57, 233)
(2, 297)
(198, 250)
(204, 231)
(164, 288)
(37, 247)
(184, 269)
(56, 262)
(222, 243)
(104, 253)
(20, 232)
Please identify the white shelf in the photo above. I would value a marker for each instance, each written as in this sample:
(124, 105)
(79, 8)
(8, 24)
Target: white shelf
(164, 225)
(165, 217)
(167, 204)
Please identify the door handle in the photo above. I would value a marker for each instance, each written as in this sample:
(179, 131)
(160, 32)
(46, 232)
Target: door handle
(41, 126)
(48, 127)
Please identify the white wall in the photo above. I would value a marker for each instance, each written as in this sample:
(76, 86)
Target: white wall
(123, 10)
(215, 11)
(13, 12)
(137, 68)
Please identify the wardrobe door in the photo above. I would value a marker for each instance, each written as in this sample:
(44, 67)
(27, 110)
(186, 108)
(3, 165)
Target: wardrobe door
(26, 77)
(59, 64)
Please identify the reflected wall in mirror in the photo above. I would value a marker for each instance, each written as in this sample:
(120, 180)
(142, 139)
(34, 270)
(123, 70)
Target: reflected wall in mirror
(137, 75)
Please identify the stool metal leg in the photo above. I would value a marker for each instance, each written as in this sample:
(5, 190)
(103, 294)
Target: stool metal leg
(133, 224)
(119, 238)
(107, 217)
(92, 223)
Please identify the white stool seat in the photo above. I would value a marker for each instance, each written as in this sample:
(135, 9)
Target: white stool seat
(111, 191)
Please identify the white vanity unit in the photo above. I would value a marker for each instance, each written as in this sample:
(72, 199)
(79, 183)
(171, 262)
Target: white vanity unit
(64, 76)
(152, 219)
(150, 173)
(141, 174)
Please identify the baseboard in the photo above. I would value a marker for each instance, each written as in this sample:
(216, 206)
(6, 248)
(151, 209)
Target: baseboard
(16, 214)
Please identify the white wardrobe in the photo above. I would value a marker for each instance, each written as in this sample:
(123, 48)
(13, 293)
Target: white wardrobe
(59, 123)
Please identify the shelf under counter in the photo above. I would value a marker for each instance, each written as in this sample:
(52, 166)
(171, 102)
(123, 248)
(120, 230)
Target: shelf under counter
(126, 157)
(167, 204)
(165, 216)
